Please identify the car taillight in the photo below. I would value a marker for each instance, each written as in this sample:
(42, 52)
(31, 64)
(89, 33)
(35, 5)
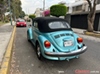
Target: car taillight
(47, 44)
(80, 40)
(25, 23)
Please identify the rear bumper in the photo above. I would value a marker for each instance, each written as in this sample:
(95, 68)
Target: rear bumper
(64, 54)
(21, 25)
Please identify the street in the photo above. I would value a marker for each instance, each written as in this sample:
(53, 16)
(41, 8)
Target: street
(25, 61)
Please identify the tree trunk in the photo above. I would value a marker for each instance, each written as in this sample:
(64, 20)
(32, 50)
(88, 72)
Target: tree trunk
(91, 18)
(3, 17)
(91, 15)
(90, 25)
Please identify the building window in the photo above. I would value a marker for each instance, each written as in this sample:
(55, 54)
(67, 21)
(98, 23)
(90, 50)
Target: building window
(35, 24)
(74, 9)
(77, 8)
(98, 1)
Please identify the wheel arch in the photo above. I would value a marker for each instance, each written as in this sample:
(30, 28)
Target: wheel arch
(36, 43)
(29, 32)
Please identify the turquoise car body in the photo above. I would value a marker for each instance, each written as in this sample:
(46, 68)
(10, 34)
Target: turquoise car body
(57, 50)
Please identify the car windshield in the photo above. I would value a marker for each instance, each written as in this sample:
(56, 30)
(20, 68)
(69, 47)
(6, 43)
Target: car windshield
(59, 25)
(21, 20)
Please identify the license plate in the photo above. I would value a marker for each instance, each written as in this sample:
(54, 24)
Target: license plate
(21, 24)
(68, 43)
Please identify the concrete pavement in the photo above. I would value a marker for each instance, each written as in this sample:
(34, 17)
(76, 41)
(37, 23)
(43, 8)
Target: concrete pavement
(5, 33)
(90, 35)
(79, 31)
(7, 38)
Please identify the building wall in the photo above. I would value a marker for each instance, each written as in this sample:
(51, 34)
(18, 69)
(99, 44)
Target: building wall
(80, 21)
(78, 6)
(78, 11)
(98, 7)
(38, 12)
(81, 6)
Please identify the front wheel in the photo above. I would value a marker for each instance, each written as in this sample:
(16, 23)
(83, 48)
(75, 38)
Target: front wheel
(38, 52)
(28, 37)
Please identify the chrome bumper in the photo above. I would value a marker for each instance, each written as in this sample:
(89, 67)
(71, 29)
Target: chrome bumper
(65, 54)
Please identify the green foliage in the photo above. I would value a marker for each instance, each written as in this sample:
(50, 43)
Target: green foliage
(32, 16)
(17, 9)
(3, 8)
(22, 14)
(6, 19)
(58, 10)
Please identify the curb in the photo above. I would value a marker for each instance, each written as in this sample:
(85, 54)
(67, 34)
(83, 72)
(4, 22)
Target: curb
(92, 34)
(5, 66)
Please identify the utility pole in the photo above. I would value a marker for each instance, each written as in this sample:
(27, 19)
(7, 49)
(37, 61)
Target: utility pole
(43, 5)
(10, 11)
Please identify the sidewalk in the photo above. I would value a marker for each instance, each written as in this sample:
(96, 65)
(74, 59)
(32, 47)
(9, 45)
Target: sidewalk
(95, 34)
(79, 31)
(5, 34)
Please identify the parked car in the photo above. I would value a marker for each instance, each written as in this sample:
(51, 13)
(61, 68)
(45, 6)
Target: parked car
(54, 39)
(20, 23)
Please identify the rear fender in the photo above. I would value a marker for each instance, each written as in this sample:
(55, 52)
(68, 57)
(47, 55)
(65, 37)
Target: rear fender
(76, 36)
(41, 40)
(29, 32)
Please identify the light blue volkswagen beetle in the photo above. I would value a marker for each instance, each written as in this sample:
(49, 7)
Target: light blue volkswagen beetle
(54, 39)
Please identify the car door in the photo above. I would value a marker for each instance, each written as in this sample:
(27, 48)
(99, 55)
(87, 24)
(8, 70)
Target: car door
(35, 30)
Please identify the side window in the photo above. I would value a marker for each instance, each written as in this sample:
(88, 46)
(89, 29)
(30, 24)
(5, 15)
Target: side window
(36, 25)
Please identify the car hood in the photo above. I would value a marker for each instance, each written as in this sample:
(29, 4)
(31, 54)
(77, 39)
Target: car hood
(64, 41)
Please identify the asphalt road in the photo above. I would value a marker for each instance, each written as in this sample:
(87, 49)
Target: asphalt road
(25, 61)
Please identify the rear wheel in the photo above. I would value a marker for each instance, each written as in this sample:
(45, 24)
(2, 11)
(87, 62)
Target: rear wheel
(38, 52)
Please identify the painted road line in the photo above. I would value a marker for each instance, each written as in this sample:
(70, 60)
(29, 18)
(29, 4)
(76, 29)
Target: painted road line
(5, 66)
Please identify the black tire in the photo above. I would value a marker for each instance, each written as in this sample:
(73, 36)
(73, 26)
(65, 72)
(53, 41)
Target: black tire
(38, 52)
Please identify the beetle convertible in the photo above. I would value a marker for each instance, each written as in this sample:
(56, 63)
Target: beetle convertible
(54, 39)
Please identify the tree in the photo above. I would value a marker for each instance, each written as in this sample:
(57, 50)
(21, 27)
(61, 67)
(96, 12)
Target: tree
(91, 15)
(58, 10)
(22, 14)
(32, 16)
(16, 8)
(3, 8)
(46, 13)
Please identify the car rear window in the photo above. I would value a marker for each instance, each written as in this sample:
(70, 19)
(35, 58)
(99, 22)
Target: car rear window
(58, 25)
(21, 20)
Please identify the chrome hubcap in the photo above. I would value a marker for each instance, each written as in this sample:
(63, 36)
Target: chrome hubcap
(38, 51)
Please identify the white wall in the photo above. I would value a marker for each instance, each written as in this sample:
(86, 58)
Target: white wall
(81, 2)
(77, 3)
(98, 7)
